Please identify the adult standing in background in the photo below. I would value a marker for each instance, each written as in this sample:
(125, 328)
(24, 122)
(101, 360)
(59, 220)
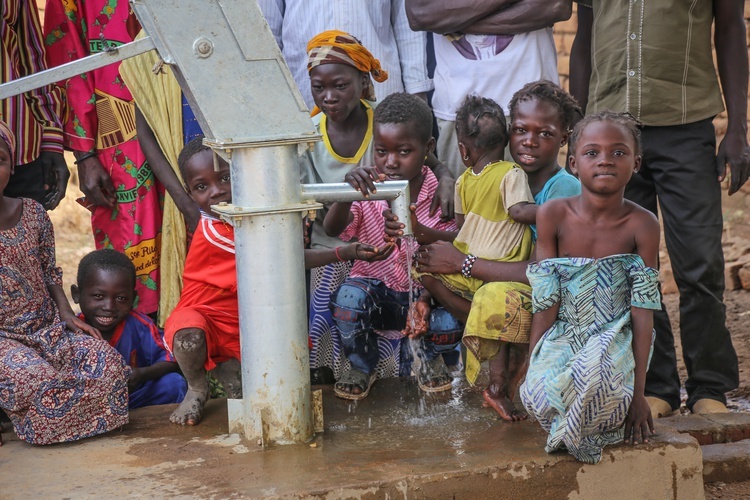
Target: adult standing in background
(120, 188)
(35, 117)
(490, 48)
(653, 59)
(381, 25)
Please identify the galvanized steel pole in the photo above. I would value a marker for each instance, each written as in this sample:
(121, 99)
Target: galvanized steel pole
(270, 283)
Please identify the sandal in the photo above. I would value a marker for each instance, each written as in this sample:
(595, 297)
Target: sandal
(354, 378)
(434, 371)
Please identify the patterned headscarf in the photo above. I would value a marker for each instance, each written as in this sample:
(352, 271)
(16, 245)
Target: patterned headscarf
(338, 47)
(7, 135)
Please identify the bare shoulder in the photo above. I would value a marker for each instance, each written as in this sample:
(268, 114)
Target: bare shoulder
(642, 218)
(556, 209)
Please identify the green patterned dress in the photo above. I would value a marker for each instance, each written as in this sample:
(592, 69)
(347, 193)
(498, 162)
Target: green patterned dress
(580, 379)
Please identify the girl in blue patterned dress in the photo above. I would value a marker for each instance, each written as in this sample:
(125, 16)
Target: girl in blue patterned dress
(58, 380)
(594, 289)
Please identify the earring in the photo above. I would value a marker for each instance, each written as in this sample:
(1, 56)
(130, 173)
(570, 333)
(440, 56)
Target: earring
(425, 157)
(466, 158)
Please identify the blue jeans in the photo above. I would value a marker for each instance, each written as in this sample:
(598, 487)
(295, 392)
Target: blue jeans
(362, 305)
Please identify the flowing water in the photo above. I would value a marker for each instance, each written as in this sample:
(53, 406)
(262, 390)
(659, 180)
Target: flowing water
(410, 243)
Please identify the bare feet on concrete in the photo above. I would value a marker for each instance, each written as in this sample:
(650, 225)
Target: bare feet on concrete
(190, 410)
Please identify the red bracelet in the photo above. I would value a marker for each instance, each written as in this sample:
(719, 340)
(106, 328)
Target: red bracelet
(338, 256)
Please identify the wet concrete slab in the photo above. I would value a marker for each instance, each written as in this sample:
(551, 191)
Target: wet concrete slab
(396, 443)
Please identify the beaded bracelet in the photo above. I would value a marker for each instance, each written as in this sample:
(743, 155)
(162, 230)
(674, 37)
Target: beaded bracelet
(468, 265)
(85, 156)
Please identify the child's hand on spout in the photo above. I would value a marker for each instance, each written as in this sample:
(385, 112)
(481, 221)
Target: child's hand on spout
(363, 179)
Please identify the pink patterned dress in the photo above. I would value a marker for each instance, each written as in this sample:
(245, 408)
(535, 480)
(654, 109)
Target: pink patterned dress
(102, 119)
(54, 385)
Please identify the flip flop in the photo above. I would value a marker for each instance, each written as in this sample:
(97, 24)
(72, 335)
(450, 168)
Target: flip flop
(432, 370)
(357, 378)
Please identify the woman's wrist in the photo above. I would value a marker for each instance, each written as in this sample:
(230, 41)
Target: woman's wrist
(82, 156)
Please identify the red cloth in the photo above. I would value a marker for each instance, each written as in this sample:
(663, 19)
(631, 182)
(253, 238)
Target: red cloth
(209, 292)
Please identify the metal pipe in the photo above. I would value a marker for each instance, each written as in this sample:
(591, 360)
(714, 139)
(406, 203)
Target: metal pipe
(276, 404)
(68, 70)
(395, 191)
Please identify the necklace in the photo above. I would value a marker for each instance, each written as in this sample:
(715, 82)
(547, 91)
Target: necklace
(482, 169)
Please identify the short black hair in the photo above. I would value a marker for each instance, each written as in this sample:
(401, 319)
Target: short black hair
(625, 120)
(402, 107)
(106, 258)
(545, 90)
(482, 120)
(191, 149)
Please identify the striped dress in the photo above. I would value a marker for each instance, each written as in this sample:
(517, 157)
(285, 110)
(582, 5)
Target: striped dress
(581, 373)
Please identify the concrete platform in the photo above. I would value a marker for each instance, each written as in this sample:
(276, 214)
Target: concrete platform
(397, 443)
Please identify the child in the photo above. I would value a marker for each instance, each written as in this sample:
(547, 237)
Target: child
(593, 290)
(203, 330)
(341, 71)
(497, 314)
(58, 384)
(376, 295)
(541, 116)
(105, 293)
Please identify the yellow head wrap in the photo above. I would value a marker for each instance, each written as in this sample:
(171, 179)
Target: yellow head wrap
(338, 47)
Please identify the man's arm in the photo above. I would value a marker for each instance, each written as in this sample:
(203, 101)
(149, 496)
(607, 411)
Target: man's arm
(496, 17)
(580, 57)
(522, 17)
(731, 55)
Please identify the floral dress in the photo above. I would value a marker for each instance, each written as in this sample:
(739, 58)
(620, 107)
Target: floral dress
(102, 118)
(580, 379)
(54, 385)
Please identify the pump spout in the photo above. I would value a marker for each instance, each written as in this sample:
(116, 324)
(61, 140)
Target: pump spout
(397, 192)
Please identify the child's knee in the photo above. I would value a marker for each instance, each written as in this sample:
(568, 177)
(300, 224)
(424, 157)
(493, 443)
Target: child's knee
(189, 339)
(351, 306)
(445, 330)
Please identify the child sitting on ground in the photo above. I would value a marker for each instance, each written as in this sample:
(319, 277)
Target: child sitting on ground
(497, 315)
(376, 295)
(594, 289)
(106, 293)
(60, 381)
(541, 117)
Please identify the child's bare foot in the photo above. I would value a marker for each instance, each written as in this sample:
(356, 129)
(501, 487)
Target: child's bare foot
(503, 405)
(190, 352)
(190, 410)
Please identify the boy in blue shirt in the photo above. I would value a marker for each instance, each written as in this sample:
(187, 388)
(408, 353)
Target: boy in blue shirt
(106, 295)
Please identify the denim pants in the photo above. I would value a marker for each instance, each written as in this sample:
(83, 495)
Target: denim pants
(362, 305)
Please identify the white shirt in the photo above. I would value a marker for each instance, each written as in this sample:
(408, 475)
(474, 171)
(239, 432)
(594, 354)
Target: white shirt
(490, 66)
(381, 26)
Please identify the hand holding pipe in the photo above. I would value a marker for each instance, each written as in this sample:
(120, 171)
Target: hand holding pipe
(397, 192)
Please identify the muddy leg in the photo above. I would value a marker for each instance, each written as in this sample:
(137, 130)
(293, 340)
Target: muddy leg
(190, 352)
(229, 375)
(497, 395)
